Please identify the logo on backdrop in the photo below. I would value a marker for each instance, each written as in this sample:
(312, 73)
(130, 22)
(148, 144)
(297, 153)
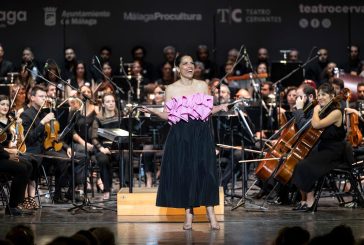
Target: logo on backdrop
(158, 16)
(50, 16)
(248, 16)
(10, 18)
(74, 18)
(322, 14)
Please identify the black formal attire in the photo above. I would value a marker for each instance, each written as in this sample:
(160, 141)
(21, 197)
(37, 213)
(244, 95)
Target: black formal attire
(34, 142)
(188, 172)
(352, 65)
(320, 161)
(314, 71)
(211, 69)
(19, 170)
(103, 160)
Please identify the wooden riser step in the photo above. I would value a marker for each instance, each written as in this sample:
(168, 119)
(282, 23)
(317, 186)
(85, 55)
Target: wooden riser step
(142, 202)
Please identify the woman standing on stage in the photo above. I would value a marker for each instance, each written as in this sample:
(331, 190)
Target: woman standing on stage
(188, 172)
(329, 151)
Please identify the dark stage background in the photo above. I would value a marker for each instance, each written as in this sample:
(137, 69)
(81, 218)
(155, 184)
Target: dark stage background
(49, 26)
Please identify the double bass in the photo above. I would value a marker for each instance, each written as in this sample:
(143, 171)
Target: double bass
(284, 144)
(303, 147)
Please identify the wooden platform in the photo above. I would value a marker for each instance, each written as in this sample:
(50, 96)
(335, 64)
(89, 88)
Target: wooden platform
(142, 202)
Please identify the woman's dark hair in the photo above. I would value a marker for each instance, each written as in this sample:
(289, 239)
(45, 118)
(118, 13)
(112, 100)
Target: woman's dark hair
(80, 62)
(289, 89)
(52, 67)
(178, 59)
(4, 97)
(327, 88)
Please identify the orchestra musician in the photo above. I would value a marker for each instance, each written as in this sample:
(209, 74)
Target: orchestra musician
(358, 106)
(108, 118)
(306, 94)
(329, 149)
(34, 140)
(104, 84)
(83, 123)
(20, 100)
(11, 163)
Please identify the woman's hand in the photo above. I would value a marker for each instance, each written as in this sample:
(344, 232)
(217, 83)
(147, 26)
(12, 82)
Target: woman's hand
(145, 109)
(105, 150)
(90, 147)
(351, 110)
(316, 109)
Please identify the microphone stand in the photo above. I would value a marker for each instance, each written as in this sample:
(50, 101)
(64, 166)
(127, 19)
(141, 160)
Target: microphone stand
(218, 126)
(258, 93)
(295, 70)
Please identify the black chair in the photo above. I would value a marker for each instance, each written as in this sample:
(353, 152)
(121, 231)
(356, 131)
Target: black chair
(4, 188)
(338, 180)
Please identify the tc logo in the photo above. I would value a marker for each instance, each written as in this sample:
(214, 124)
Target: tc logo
(229, 15)
(50, 16)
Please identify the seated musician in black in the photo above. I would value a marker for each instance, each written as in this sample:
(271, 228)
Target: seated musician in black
(35, 138)
(108, 118)
(358, 106)
(81, 134)
(305, 95)
(12, 164)
(330, 149)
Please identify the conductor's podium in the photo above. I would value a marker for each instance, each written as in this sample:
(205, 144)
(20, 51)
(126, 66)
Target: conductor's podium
(142, 202)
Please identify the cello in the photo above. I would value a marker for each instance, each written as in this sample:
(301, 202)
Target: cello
(353, 133)
(284, 144)
(302, 148)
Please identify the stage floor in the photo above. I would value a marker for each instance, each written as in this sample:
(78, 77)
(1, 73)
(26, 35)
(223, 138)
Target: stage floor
(241, 226)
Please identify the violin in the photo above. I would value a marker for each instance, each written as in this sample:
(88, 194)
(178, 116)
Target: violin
(353, 133)
(3, 131)
(17, 132)
(284, 144)
(303, 146)
(52, 129)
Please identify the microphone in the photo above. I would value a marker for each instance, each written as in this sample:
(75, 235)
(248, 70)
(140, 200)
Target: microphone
(246, 57)
(98, 61)
(45, 66)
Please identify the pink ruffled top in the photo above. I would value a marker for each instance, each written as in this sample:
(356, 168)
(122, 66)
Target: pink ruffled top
(195, 106)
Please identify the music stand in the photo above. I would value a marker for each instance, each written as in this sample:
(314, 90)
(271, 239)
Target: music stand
(249, 138)
(227, 131)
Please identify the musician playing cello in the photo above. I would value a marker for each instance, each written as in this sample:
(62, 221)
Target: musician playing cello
(35, 139)
(305, 95)
(330, 148)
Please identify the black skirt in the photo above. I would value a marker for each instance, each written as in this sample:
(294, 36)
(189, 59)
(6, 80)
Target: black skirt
(189, 171)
